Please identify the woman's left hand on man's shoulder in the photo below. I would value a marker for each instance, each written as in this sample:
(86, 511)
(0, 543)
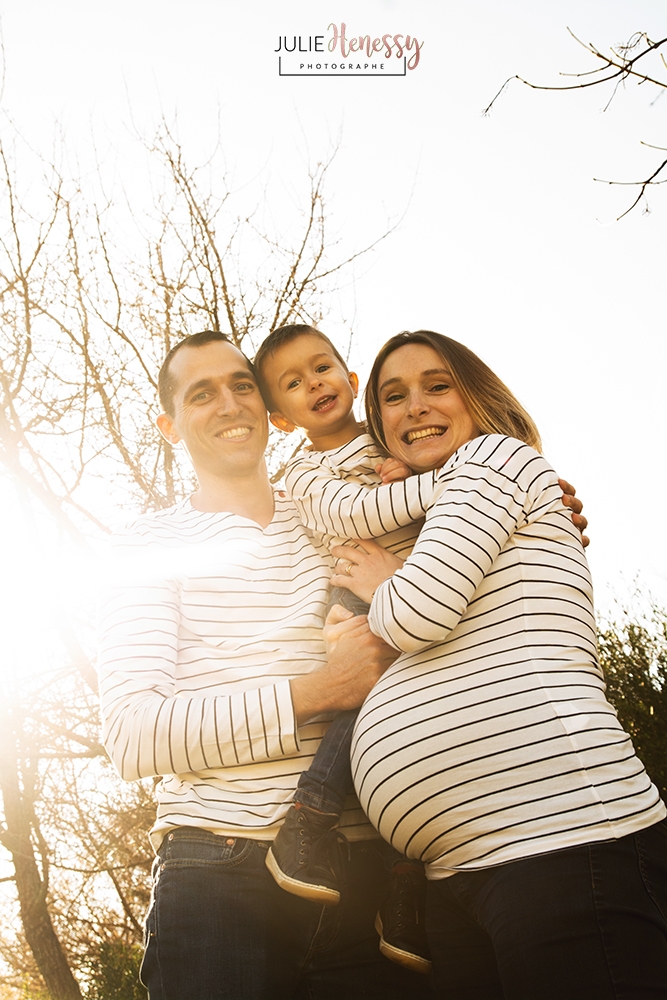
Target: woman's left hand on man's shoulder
(571, 500)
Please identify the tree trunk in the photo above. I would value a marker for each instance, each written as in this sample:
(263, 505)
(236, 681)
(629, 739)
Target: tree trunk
(39, 931)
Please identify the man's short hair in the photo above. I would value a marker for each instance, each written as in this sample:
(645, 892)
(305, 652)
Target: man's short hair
(166, 384)
(277, 339)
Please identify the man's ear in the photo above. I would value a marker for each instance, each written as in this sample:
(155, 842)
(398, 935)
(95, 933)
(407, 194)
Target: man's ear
(281, 422)
(165, 426)
(354, 382)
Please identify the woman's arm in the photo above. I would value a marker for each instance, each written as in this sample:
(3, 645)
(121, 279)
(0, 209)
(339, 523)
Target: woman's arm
(497, 485)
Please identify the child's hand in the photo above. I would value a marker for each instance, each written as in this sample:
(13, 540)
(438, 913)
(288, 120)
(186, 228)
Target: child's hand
(338, 622)
(393, 471)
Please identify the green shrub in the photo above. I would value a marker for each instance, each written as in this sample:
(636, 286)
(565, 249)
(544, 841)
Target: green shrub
(113, 972)
(634, 657)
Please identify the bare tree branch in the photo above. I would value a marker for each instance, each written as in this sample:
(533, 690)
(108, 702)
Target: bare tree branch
(616, 69)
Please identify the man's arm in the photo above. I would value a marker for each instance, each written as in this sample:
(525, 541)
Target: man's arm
(151, 728)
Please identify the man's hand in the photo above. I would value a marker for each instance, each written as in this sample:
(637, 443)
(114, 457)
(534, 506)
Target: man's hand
(356, 664)
(576, 506)
(393, 471)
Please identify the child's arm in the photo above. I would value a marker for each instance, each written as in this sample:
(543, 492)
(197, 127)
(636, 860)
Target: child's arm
(329, 504)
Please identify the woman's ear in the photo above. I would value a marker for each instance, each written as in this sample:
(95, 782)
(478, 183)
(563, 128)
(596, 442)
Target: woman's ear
(281, 422)
(165, 426)
(354, 382)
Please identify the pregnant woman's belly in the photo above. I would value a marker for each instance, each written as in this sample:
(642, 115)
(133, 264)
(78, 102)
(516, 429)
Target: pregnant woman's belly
(472, 764)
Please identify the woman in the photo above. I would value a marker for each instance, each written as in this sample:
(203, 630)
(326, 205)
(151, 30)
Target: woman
(488, 749)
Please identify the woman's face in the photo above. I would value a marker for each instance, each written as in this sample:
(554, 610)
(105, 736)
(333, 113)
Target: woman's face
(425, 420)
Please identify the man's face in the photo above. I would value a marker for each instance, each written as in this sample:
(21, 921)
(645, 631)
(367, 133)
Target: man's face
(219, 414)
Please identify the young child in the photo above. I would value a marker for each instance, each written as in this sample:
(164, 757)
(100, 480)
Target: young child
(345, 489)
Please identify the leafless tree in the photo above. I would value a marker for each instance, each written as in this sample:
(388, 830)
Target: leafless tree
(87, 313)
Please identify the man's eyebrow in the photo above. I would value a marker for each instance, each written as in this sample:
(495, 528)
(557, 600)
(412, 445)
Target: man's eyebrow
(201, 384)
(204, 383)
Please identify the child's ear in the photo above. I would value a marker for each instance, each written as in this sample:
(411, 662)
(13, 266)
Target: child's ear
(166, 428)
(354, 382)
(281, 422)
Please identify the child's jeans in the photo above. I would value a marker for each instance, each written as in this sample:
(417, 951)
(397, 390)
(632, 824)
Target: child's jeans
(328, 780)
(341, 595)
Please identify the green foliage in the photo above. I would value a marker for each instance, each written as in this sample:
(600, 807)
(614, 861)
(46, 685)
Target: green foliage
(634, 657)
(114, 972)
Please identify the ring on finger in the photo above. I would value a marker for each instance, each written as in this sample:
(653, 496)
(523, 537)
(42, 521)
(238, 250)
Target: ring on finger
(348, 569)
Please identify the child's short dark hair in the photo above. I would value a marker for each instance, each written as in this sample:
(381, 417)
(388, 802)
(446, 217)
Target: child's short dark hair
(277, 339)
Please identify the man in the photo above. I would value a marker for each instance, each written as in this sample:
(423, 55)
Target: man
(212, 670)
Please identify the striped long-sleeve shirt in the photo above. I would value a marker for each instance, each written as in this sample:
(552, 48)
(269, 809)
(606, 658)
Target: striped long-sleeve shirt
(340, 496)
(491, 738)
(206, 618)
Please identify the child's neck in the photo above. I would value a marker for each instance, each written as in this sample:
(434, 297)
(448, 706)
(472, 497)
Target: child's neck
(336, 439)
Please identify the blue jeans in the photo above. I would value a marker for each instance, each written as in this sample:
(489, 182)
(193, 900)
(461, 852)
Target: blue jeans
(586, 923)
(219, 928)
(341, 595)
(328, 780)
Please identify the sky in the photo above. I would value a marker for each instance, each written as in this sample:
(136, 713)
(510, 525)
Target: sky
(502, 237)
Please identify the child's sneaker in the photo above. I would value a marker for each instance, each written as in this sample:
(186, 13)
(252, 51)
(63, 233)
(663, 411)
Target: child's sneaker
(400, 920)
(301, 858)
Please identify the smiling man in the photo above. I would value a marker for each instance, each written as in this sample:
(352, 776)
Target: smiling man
(212, 670)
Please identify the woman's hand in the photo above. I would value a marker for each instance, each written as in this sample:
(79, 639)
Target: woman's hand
(363, 569)
(392, 470)
(576, 506)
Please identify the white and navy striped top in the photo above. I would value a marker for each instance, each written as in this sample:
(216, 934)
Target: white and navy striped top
(491, 739)
(206, 618)
(340, 496)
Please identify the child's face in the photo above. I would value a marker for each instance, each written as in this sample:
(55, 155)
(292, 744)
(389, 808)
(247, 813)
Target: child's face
(311, 389)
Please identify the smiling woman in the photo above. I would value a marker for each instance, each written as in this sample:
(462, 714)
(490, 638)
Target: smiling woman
(423, 375)
(488, 749)
(425, 418)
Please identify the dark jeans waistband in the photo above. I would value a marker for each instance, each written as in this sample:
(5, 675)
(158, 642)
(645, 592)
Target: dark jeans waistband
(194, 834)
(226, 842)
